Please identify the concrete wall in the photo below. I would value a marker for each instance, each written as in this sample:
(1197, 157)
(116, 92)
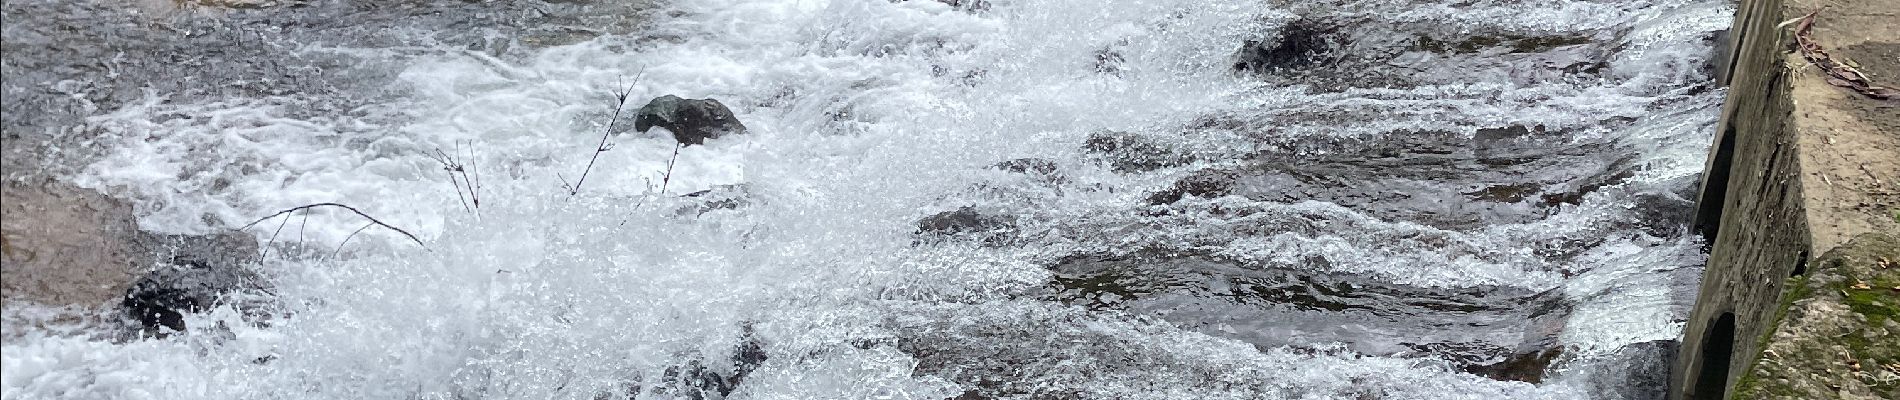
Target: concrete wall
(1798, 168)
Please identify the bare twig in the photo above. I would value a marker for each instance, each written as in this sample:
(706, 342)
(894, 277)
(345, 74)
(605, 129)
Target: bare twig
(620, 103)
(449, 168)
(1838, 73)
(475, 185)
(273, 235)
(452, 164)
(668, 178)
(346, 239)
(373, 220)
(305, 223)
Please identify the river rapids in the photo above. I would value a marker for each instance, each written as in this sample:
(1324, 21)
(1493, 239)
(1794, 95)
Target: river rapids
(970, 199)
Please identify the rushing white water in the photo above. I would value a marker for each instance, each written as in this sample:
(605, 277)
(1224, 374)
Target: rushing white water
(865, 116)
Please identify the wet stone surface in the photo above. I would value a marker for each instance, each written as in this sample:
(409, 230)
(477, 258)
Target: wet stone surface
(1387, 153)
(1434, 179)
(1333, 53)
(1130, 152)
(967, 223)
(1040, 168)
(1486, 330)
(692, 121)
(67, 246)
(69, 59)
(721, 197)
(159, 299)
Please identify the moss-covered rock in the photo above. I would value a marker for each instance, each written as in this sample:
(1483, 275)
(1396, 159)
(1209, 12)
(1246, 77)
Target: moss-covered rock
(1839, 335)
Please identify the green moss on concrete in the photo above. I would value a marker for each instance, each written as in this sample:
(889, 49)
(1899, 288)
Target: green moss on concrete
(1797, 288)
(1838, 334)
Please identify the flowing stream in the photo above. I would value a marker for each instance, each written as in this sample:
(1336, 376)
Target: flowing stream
(1332, 199)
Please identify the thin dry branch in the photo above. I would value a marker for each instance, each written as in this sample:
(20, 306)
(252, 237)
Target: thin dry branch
(273, 235)
(620, 103)
(452, 165)
(346, 239)
(476, 184)
(1838, 73)
(668, 178)
(373, 220)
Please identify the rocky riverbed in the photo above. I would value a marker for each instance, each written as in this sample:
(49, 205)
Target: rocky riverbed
(918, 199)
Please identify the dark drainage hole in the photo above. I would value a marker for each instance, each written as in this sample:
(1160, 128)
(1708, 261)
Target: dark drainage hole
(1711, 383)
(1800, 265)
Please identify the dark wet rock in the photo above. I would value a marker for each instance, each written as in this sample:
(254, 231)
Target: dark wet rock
(1280, 305)
(1521, 367)
(749, 355)
(1500, 332)
(194, 284)
(1638, 371)
(988, 358)
(1109, 61)
(1554, 64)
(692, 121)
(246, 4)
(966, 222)
(698, 379)
(226, 249)
(1207, 184)
(960, 5)
(189, 55)
(1040, 168)
(1663, 214)
(1584, 187)
(1530, 360)
(967, 5)
(1449, 181)
(1128, 152)
(1300, 44)
(1506, 132)
(1328, 51)
(1506, 43)
(69, 246)
(721, 197)
(1506, 193)
(1034, 166)
(695, 381)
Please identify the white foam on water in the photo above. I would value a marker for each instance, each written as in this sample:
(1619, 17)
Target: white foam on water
(863, 114)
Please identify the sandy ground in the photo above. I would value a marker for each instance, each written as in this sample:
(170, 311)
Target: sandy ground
(1850, 143)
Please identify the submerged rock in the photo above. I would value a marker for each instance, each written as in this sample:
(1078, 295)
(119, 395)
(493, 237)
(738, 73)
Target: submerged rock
(692, 121)
(1503, 42)
(1208, 183)
(1444, 181)
(1499, 332)
(200, 276)
(721, 197)
(1300, 44)
(1521, 367)
(1637, 371)
(1128, 152)
(698, 379)
(1039, 168)
(966, 222)
(70, 246)
(1277, 305)
(1033, 166)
